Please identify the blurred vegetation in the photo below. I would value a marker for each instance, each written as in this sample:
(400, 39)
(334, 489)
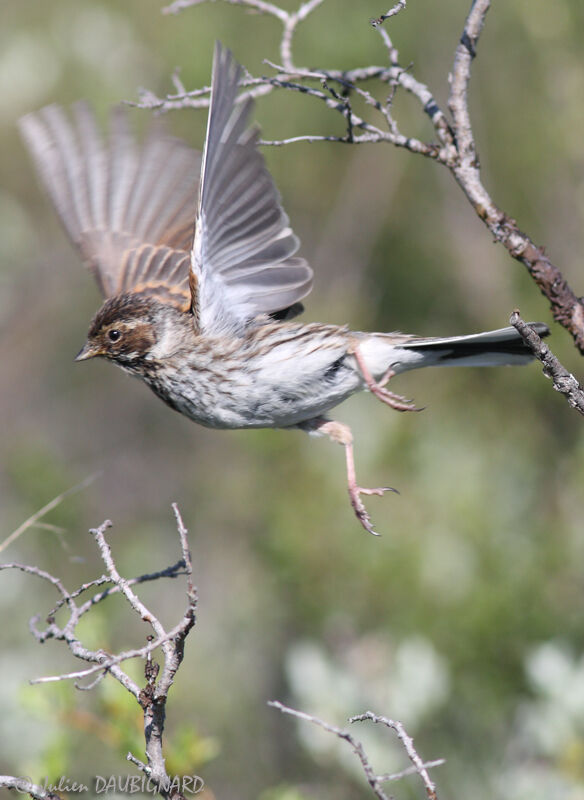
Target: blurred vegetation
(464, 618)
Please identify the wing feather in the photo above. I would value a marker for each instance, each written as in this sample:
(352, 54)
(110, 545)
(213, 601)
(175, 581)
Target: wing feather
(129, 209)
(243, 252)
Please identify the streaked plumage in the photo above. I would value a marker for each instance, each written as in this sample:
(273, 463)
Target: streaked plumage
(201, 276)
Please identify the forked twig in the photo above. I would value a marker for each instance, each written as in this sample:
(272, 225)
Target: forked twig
(375, 781)
(153, 696)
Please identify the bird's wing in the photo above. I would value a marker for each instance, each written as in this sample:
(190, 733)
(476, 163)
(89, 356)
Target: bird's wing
(243, 261)
(129, 209)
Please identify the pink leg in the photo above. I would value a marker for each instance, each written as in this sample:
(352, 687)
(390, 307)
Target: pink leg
(340, 433)
(377, 387)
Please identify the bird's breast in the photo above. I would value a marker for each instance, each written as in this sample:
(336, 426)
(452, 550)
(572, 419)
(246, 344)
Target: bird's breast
(275, 386)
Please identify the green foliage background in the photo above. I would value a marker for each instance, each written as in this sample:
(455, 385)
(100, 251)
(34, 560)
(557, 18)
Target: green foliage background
(464, 619)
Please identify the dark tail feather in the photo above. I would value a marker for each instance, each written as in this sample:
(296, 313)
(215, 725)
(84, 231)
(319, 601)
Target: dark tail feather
(493, 348)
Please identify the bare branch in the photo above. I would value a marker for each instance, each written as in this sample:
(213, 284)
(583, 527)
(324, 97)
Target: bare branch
(458, 100)
(256, 5)
(288, 19)
(375, 781)
(140, 764)
(563, 380)
(40, 573)
(391, 13)
(26, 786)
(404, 773)
(290, 28)
(343, 106)
(107, 661)
(408, 743)
(152, 698)
(567, 308)
(197, 98)
(122, 583)
(174, 571)
(186, 554)
(398, 76)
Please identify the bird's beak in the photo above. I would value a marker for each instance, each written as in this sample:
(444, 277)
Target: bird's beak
(87, 351)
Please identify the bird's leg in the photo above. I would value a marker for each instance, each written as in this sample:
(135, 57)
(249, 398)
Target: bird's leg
(378, 387)
(340, 433)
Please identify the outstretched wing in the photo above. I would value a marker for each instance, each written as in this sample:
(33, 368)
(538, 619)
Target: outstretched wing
(243, 261)
(129, 209)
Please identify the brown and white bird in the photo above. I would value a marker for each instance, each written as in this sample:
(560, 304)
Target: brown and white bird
(201, 279)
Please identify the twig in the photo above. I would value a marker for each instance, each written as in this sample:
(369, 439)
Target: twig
(404, 773)
(373, 133)
(288, 19)
(107, 661)
(567, 308)
(375, 781)
(197, 98)
(391, 13)
(256, 5)
(26, 786)
(408, 743)
(122, 584)
(152, 698)
(174, 571)
(563, 380)
(32, 520)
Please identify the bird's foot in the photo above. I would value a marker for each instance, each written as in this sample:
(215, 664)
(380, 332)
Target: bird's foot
(395, 401)
(361, 512)
(342, 434)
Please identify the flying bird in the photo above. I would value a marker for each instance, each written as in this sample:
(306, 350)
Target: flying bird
(197, 262)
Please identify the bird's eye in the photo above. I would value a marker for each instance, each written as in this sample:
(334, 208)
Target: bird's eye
(114, 335)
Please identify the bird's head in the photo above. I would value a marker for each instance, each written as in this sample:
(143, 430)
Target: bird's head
(123, 331)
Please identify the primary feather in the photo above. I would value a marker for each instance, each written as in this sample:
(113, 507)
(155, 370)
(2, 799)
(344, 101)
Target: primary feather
(243, 254)
(115, 197)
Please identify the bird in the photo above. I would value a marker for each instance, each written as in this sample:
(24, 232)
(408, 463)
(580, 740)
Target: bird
(202, 284)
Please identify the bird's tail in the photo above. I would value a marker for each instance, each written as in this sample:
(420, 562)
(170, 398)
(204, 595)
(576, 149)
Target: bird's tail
(491, 349)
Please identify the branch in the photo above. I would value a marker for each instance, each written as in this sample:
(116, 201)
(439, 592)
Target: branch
(152, 698)
(391, 13)
(563, 380)
(288, 19)
(567, 308)
(26, 786)
(408, 743)
(375, 781)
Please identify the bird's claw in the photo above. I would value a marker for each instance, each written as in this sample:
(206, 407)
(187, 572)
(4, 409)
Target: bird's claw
(361, 512)
(395, 401)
